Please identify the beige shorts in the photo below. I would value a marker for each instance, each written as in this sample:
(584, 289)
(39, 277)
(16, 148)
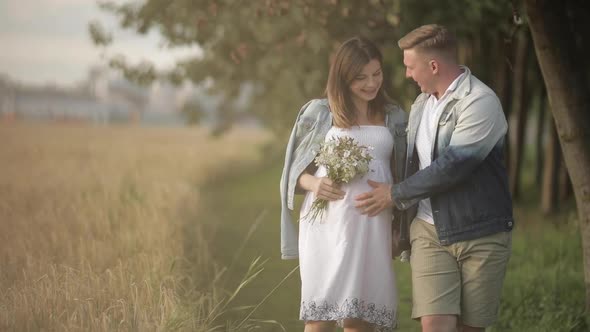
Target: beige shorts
(463, 279)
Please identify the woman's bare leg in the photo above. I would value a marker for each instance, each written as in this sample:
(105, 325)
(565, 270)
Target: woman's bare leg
(358, 325)
(320, 326)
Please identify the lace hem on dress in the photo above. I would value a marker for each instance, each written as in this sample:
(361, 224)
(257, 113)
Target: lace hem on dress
(383, 318)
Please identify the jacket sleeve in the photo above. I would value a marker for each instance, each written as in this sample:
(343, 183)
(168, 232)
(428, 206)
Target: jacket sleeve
(299, 130)
(289, 245)
(480, 127)
(400, 143)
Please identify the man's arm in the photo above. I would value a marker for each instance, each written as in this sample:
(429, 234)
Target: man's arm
(478, 130)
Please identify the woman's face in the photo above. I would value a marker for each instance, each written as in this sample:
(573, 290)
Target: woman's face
(366, 84)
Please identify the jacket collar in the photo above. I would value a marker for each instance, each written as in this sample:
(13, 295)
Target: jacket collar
(463, 89)
(464, 85)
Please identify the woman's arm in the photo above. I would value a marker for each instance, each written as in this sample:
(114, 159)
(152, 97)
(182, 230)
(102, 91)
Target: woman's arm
(322, 187)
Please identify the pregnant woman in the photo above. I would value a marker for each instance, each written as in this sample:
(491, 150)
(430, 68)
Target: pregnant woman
(345, 257)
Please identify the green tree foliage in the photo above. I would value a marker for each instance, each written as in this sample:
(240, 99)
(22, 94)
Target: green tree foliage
(284, 47)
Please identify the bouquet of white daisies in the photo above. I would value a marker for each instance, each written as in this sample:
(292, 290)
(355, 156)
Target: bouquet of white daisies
(343, 158)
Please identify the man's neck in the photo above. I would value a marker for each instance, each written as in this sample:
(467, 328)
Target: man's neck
(445, 79)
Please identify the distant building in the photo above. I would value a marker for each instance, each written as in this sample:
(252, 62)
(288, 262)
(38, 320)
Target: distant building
(7, 100)
(106, 97)
(100, 100)
(49, 103)
(126, 100)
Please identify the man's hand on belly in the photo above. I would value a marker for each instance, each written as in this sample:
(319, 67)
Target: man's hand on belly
(376, 200)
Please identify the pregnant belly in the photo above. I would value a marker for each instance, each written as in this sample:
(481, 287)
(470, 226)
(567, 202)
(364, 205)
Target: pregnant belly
(359, 185)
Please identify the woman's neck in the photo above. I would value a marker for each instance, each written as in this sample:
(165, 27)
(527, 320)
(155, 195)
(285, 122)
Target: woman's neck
(362, 114)
(362, 108)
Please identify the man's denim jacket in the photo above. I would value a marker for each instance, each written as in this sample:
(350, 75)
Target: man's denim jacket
(467, 181)
(312, 125)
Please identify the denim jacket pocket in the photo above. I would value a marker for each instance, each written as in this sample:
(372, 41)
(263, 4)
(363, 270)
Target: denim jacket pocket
(305, 126)
(401, 129)
(444, 119)
(447, 114)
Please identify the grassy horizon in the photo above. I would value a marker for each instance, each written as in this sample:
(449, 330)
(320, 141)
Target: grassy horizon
(96, 223)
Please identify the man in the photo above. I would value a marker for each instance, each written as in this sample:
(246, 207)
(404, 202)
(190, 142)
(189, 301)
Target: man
(457, 183)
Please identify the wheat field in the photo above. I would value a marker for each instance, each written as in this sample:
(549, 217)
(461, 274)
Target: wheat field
(97, 223)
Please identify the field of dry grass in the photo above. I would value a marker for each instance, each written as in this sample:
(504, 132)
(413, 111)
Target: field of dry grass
(96, 223)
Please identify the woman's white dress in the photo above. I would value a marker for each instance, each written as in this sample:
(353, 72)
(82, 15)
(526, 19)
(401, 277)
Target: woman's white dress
(345, 258)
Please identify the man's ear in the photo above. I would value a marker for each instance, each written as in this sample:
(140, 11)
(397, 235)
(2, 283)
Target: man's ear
(434, 66)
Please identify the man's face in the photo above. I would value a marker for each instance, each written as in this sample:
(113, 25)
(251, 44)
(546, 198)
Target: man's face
(418, 68)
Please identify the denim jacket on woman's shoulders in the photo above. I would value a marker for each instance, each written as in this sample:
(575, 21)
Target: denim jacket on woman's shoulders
(311, 126)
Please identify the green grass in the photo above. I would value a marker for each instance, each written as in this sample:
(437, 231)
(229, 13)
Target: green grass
(544, 288)
(543, 291)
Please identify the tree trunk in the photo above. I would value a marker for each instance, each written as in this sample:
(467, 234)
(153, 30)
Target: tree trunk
(568, 93)
(564, 183)
(502, 80)
(539, 136)
(550, 167)
(519, 111)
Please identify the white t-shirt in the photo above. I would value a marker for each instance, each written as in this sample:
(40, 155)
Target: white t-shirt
(425, 140)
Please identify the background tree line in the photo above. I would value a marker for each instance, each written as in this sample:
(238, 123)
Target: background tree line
(529, 52)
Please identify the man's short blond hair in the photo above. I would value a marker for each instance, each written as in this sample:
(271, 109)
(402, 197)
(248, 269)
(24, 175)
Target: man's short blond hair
(431, 38)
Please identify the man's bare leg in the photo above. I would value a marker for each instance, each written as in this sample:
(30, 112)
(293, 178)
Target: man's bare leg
(439, 323)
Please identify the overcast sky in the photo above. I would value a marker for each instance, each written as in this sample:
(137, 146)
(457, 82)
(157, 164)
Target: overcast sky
(47, 41)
